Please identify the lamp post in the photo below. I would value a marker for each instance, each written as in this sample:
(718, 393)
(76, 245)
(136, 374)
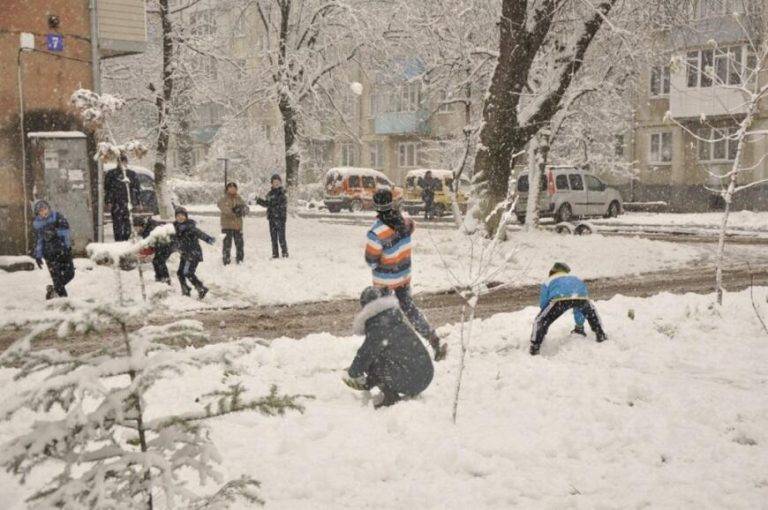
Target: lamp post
(225, 161)
(26, 43)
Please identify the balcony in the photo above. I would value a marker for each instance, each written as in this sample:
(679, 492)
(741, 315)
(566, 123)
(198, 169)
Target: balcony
(401, 123)
(122, 27)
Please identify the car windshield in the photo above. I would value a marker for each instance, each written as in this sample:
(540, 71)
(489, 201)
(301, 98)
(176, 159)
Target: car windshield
(522, 183)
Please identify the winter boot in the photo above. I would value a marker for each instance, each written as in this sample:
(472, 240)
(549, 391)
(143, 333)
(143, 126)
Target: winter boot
(202, 290)
(389, 398)
(601, 337)
(579, 330)
(534, 350)
(166, 281)
(49, 292)
(441, 350)
(185, 290)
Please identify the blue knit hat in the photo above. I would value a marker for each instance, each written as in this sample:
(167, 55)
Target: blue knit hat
(39, 205)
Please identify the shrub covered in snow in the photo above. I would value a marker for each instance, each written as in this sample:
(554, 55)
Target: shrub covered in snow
(94, 426)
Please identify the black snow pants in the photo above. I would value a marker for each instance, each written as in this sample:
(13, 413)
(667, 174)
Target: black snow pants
(557, 308)
(412, 312)
(187, 268)
(229, 236)
(160, 264)
(121, 223)
(277, 233)
(62, 271)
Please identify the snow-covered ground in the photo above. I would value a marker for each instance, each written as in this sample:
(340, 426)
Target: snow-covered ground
(327, 263)
(740, 220)
(671, 412)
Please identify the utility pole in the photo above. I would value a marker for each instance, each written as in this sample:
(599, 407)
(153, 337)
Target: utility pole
(96, 71)
(226, 170)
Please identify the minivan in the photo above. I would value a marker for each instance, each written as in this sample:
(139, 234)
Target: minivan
(353, 188)
(568, 192)
(412, 201)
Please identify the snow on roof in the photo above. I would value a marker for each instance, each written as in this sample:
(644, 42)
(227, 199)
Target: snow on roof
(437, 172)
(138, 169)
(56, 134)
(351, 170)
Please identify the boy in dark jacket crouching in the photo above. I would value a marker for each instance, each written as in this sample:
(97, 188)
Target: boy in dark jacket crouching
(53, 244)
(188, 238)
(392, 357)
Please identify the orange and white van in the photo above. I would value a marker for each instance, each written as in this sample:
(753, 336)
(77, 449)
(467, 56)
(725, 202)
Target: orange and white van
(353, 188)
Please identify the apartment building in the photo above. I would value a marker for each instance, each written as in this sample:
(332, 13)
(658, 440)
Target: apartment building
(688, 102)
(45, 55)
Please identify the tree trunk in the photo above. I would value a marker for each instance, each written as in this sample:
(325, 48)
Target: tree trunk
(503, 135)
(291, 135)
(163, 103)
(534, 183)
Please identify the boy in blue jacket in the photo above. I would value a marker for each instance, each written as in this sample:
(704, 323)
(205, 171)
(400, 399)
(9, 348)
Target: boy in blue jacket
(564, 292)
(53, 244)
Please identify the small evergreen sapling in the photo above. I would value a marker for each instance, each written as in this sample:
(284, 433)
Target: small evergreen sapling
(96, 427)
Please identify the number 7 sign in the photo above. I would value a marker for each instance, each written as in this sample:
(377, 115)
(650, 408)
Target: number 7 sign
(55, 42)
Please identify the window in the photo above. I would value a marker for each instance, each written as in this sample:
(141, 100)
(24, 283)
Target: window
(407, 154)
(716, 8)
(381, 182)
(561, 181)
(240, 69)
(660, 149)
(369, 182)
(618, 146)
(348, 154)
(203, 22)
(238, 27)
(594, 184)
(446, 106)
(373, 104)
(523, 186)
(717, 144)
(719, 67)
(404, 98)
(354, 181)
(376, 154)
(660, 81)
(577, 184)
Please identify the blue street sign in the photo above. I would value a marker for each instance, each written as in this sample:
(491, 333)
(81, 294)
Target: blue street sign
(55, 42)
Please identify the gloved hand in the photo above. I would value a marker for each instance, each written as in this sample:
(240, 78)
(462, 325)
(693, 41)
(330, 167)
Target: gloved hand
(579, 330)
(39, 263)
(356, 383)
(211, 241)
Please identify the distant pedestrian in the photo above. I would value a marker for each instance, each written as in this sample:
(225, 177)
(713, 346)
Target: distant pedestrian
(54, 245)
(188, 238)
(388, 253)
(233, 209)
(392, 357)
(160, 252)
(116, 197)
(561, 293)
(428, 186)
(277, 213)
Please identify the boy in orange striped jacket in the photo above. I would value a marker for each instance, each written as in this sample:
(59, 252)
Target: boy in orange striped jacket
(388, 253)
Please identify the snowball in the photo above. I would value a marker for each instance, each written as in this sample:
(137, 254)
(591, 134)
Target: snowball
(356, 87)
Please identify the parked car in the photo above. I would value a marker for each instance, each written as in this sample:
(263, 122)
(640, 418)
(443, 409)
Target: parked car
(412, 201)
(353, 188)
(567, 192)
(147, 194)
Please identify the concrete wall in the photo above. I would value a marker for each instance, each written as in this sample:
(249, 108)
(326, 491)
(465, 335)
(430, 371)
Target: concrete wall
(48, 82)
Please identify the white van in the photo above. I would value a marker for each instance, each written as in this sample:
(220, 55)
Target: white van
(567, 192)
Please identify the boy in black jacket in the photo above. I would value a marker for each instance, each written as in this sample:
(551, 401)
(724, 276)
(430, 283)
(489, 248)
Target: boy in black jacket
(392, 356)
(162, 252)
(277, 213)
(188, 238)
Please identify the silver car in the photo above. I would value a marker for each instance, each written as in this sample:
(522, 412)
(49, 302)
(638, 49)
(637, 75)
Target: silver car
(567, 193)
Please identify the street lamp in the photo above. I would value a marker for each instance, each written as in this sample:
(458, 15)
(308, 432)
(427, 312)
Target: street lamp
(26, 43)
(225, 162)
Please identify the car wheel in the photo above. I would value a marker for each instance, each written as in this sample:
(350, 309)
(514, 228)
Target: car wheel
(613, 210)
(356, 205)
(520, 219)
(439, 210)
(564, 214)
(334, 208)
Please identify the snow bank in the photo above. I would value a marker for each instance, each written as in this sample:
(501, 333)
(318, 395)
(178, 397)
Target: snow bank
(747, 220)
(671, 412)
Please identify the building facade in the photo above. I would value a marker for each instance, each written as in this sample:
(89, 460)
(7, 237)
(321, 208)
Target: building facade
(688, 105)
(45, 55)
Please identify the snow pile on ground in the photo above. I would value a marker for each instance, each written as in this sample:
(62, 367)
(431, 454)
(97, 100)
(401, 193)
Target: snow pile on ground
(327, 263)
(739, 220)
(671, 412)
